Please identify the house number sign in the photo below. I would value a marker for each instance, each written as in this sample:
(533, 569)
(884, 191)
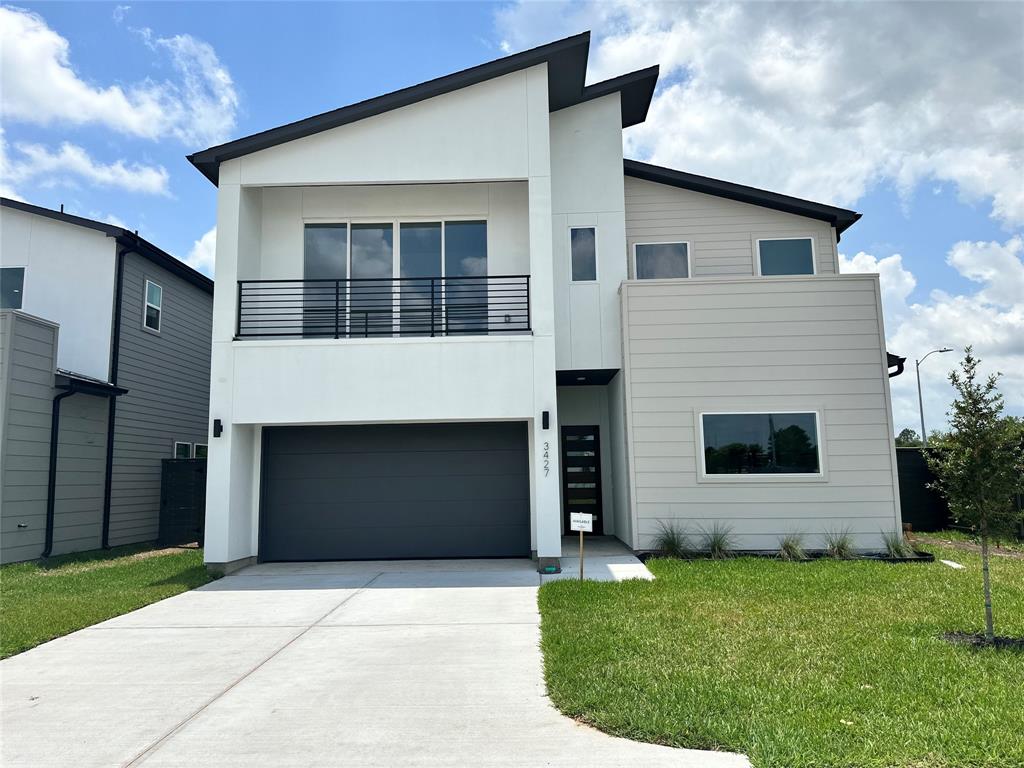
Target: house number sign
(547, 458)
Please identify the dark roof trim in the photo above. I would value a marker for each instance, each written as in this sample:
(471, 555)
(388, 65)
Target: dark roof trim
(894, 361)
(567, 70)
(87, 385)
(840, 218)
(125, 238)
(636, 89)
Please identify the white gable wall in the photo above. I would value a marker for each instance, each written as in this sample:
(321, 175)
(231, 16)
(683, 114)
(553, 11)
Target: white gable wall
(479, 132)
(69, 280)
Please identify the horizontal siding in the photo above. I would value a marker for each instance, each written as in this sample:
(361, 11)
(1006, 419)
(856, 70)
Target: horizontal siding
(29, 352)
(168, 380)
(750, 344)
(721, 232)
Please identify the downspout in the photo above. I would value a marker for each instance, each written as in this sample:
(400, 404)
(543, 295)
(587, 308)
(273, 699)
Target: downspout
(51, 480)
(115, 349)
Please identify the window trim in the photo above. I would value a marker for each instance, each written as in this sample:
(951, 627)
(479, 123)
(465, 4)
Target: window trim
(174, 450)
(197, 445)
(24, 275)
(158, 307)
(814, 255)
(801, 477)
(597, 260)
(689, 259)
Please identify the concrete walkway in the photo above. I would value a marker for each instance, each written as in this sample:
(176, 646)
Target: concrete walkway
(430, 663)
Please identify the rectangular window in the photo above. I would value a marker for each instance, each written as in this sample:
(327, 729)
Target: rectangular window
(760, 443)
(12, 287)
(154, 306)
(465, 260)
(199, 452)
(583, 253)
(420, 255)
(786, 256)
(373, 267)
(325, 258)
(182, 450)
(655, 261)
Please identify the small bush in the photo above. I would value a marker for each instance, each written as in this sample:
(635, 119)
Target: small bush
(839, 544)
(896, 545)
(719, 542)
(671, 541)
(791, 547)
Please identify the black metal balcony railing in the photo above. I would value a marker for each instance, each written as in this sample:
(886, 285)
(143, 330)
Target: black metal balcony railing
(367, 307)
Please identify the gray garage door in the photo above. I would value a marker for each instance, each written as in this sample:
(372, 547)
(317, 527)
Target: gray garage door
(395, 491)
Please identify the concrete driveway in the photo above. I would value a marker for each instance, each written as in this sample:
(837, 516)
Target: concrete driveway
(431, 663)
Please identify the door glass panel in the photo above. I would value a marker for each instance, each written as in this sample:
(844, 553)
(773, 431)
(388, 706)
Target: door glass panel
(420, 260)
(371, 304)
(325, 257)
(465, 261)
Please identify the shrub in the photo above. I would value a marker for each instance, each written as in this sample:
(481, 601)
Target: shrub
(791, 547)
(839, 544)
(719, 542)
(671, 540)
(896, 545)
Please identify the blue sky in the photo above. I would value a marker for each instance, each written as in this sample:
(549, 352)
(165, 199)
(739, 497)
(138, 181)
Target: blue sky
(929, 154)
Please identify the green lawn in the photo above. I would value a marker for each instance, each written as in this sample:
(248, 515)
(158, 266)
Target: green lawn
(39, 602)
(796, 664)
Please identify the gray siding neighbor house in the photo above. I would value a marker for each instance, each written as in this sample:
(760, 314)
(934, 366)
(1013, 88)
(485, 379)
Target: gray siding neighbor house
(104, 372)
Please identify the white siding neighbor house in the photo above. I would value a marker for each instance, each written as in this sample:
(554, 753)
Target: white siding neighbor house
(104, 373)
(447, 317)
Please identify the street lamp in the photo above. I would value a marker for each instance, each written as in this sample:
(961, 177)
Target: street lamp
(920, 400)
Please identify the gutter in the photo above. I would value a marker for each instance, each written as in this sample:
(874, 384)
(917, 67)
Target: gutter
(115, 351)
(75, 385)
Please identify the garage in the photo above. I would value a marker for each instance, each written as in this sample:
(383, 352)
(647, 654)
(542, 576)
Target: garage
(395, 491)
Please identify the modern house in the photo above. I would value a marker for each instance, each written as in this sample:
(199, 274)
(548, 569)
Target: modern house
(104, 372)
(450, 316)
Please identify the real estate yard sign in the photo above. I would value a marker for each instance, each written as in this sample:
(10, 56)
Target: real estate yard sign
(584, 523)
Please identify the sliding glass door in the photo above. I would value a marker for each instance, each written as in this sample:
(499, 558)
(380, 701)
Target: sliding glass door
(420, 246)
(371, 305)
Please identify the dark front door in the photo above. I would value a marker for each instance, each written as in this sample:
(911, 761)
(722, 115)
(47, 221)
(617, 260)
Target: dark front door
(395, 491)
(581, 474)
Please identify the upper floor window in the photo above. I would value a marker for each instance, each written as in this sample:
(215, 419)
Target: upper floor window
(785, 256)
(760, 443)
(583, 252)
(653, 261)
(154, 306)
(12, 287)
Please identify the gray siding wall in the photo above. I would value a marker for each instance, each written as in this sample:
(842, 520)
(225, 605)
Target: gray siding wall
(755, 344)
(722, 233)
(29, 349)
(168, 378)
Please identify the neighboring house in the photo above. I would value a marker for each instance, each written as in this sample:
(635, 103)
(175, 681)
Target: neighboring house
(449, 316)
(107, 337)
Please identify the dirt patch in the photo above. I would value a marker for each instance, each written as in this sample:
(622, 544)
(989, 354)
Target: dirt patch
(977, 640)
(97, 565)
(969, 546)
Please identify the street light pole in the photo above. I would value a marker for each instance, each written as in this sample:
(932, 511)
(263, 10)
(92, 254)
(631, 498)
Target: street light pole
(920, 399)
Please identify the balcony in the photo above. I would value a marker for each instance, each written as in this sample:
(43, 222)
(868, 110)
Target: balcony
(383, 307)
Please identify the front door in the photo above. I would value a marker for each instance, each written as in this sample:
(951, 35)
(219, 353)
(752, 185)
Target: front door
(581, 474)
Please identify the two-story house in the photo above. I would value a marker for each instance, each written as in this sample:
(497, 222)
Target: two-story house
(104, 372)
(450, 316)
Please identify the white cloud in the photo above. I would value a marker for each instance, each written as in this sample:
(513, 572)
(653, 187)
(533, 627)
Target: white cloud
(203, 252)
(39, 84)
(991, 319)
(71, 164)
(823, 101)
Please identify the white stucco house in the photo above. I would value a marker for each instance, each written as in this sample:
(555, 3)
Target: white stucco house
(447, 317)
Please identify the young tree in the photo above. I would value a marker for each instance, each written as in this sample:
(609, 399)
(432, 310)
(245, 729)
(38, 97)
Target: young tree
(908, 438)
(979, 466)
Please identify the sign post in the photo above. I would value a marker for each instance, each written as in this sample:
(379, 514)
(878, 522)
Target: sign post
(582, 522)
